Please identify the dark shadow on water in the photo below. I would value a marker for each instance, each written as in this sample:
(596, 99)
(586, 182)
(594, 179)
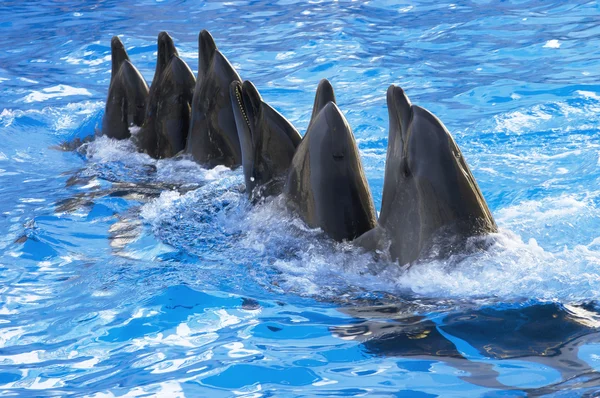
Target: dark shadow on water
(477, 341)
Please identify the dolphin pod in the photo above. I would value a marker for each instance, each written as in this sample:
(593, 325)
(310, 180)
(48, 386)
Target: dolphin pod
(430, 197)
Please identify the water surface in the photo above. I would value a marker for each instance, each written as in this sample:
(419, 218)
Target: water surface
(125, 276)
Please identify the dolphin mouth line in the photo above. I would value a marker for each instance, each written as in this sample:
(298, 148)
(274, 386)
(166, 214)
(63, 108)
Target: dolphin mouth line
(238, 96)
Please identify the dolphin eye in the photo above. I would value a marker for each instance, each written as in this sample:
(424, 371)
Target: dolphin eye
(337, 156)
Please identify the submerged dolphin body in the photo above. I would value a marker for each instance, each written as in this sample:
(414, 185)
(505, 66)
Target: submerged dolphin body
(268, 141)
(213, 138)
(429, 191)
(169, 106)
(326, 184)
(127, 95)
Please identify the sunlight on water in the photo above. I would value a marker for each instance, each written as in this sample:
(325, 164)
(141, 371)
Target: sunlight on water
(121, 275)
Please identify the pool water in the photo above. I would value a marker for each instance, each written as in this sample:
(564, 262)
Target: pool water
(121, 275)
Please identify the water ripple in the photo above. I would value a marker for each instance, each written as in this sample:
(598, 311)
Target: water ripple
(123, 275)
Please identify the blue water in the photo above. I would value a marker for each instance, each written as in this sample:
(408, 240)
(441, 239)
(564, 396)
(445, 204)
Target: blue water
(125, 276)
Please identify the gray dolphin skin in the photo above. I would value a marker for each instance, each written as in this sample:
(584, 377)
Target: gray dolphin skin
(268, 141)
(326, 184)
(168, 112)
(127, 95)
(118, 55)
(428, 190)
(165, 50)
(213, 138)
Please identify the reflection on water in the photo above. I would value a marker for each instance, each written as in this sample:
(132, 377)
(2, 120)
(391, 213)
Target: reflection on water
(480, 341)
(121, 275)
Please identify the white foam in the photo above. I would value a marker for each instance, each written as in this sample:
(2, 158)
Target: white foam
(155, 209)
(107, 150)
(518, 121)
(66, 117)
(508, 269)
(588, 94)
(563, 206)
(552, 44)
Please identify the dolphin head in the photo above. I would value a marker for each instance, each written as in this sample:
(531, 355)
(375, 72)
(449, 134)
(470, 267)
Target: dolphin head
(166, 49)
(428, 187)
(324, 95)
(118, 55)
(334, 136)
(246, 105)
(420, 148)
(343, 203)
(207, 50)
(400, 115)
(268, 140)
(328, 127)
(396, 165)
(248, 102)
(419, 155)
(211, 59)
(135, 91)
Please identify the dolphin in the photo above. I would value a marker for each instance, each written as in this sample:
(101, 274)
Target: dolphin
(428, 192)
(268, 141)
(326, 183)
(167, 120)
(213, 138)
(127, 95)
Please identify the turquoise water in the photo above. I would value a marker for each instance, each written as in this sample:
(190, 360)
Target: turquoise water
(125, 276)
